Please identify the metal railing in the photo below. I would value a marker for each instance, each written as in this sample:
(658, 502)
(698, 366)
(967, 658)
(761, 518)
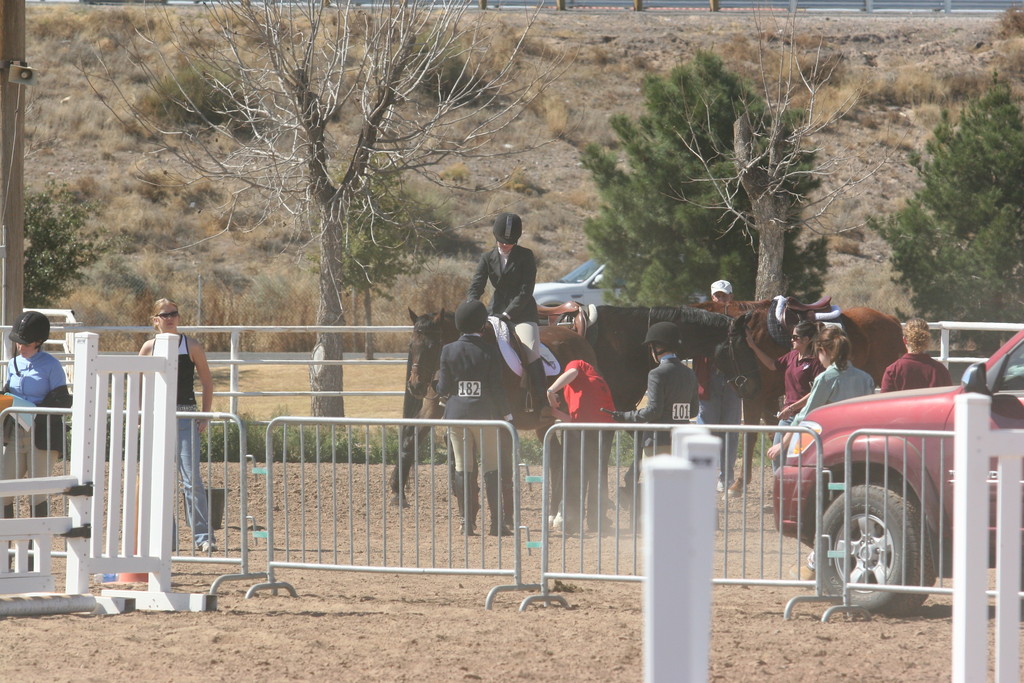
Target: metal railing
(749, 549)
(329, 505)
(236, 359)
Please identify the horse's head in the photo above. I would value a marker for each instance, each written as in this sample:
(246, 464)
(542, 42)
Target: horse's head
(737, 361)
(424, 350)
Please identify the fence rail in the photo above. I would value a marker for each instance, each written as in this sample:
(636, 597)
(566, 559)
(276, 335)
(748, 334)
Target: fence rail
(937, 6)
(235, 359)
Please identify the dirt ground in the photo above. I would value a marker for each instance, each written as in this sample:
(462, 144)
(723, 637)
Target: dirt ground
(368, 626)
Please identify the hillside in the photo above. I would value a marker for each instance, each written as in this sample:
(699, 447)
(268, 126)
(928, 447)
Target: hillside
(905, 69)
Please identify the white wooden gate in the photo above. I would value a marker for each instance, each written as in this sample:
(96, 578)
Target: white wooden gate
(121, 484)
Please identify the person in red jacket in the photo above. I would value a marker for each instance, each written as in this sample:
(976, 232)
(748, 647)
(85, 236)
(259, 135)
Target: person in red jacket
(915, 369)
(586, 397)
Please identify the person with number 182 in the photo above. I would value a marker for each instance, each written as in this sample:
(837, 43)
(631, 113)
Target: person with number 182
(470, 379)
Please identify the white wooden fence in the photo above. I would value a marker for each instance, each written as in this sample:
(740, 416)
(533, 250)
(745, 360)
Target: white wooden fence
(120, 488)
(974, 444)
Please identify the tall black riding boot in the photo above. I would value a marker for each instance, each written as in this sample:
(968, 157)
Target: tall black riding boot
(538, 387)
(467, 494)
(41, 509)
(506, 465)
(9, 511)
(498, 525)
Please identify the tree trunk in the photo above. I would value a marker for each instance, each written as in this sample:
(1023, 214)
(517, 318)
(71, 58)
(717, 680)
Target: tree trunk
(329, 346)
(770, 223)
(770, 211)
(368, 315)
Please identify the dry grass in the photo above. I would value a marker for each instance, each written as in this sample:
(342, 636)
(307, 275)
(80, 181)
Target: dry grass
(296, 378)
(158, 226)
(869, 284)
(1011, 22)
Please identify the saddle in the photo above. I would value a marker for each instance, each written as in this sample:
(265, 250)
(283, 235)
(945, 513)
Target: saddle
(571, 314)
(787, 311)
(513, 352)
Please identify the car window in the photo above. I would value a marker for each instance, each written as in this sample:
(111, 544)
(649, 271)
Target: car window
(581, 273)
(1013, 371)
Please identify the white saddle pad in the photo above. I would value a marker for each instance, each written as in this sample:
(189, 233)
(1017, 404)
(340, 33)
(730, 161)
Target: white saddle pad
(501, 333)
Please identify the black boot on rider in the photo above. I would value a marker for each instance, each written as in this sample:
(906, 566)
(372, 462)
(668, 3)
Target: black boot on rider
(538, 387)
(41, 509)
(499, 526)
(467, 493)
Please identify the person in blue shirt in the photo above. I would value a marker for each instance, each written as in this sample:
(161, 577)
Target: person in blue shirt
(36, 377)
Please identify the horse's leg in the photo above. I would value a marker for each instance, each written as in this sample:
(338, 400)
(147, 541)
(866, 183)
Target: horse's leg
(751, 415)
(406, 458)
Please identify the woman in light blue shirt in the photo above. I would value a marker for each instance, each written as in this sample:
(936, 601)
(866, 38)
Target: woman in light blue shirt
(840, 380)
(33, 375)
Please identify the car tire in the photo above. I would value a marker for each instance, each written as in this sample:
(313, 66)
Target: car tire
(885, 529)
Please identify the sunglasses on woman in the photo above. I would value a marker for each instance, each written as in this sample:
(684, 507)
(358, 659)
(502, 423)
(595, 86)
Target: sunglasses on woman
(168, 314)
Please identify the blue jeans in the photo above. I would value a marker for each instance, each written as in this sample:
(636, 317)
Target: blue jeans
(777, 463)
(197, 508)
(722, 408)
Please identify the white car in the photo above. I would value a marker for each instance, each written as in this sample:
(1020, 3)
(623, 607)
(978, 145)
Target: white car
(583, 284)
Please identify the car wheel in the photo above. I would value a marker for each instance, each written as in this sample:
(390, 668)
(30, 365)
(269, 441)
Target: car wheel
(884, 548)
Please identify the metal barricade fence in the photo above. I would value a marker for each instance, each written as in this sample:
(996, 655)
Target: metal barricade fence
(600, 537)
(223, 470)
(329, 506)
(886, 529)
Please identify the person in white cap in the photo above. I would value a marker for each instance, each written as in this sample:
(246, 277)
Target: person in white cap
(719, 402)
(721, 291)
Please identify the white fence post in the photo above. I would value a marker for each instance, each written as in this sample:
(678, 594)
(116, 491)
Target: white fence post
(970, 548)
(163, 484)
(679, 514)
(975, 443)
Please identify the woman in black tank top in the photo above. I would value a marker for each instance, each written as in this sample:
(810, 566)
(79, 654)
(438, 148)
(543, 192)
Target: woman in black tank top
(191, 362)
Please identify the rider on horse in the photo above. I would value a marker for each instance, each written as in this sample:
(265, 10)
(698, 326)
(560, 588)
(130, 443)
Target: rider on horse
(512, 271)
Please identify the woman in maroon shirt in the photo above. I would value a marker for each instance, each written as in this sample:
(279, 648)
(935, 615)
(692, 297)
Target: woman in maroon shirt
(799, 367)
(586, 397)
(916, 369)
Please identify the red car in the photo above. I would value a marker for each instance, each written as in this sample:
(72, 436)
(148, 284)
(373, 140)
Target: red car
(900, 486)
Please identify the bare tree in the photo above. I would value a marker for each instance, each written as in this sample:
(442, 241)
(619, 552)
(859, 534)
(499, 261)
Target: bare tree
(302, 106)
(776, 153)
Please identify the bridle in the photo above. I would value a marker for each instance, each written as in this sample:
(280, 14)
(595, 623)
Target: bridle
(427, 346)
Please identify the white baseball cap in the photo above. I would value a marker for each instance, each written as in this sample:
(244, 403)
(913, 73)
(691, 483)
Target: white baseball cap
(721, 286)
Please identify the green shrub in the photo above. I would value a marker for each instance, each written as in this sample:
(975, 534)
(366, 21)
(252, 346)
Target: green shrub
(194, 95)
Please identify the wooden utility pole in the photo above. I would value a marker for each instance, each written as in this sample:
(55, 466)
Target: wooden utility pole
(12, 158)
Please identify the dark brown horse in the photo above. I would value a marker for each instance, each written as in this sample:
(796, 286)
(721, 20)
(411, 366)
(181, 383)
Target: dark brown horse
(876, 340)
(431, 331)
(624, 361)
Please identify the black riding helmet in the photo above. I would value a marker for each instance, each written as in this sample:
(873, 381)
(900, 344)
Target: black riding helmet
(30, 327)
(664, 334)
(470, 316)
(508, 227)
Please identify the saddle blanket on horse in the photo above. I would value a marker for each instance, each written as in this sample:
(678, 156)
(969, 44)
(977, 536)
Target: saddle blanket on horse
(785, 312)
(501, 332)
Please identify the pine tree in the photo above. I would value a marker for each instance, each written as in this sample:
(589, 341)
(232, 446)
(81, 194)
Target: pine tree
(957, 243)
(661, 227)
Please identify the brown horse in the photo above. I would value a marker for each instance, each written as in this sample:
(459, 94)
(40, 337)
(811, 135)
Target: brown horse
(431, 331)
(876, 340)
